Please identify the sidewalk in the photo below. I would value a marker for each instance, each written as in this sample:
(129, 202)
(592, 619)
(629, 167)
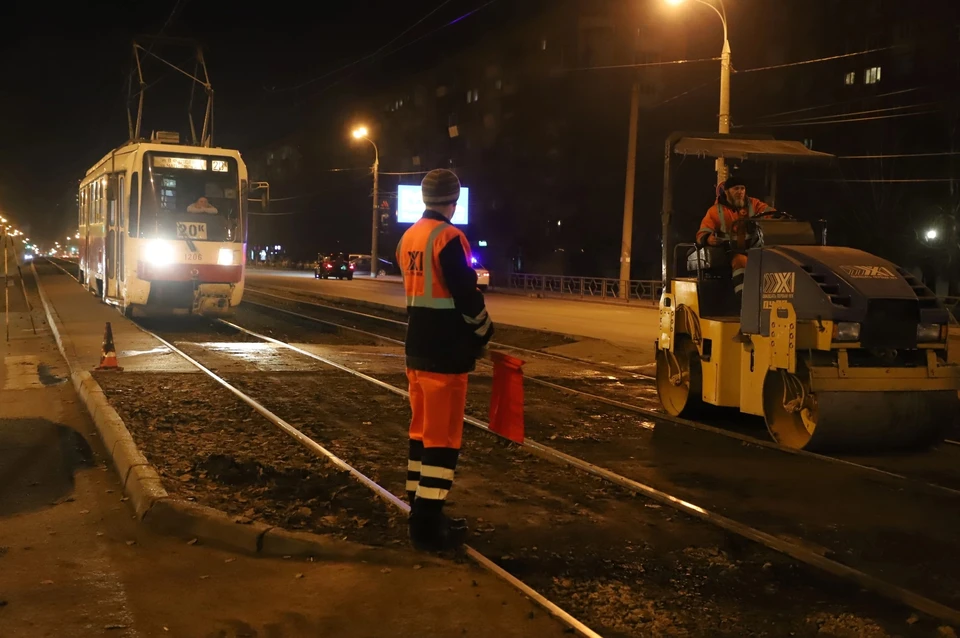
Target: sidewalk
(75, 563)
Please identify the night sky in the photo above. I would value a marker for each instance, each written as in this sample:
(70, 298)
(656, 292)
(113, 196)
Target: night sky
(65, 69)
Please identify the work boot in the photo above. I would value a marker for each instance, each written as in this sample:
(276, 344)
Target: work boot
(433, 531)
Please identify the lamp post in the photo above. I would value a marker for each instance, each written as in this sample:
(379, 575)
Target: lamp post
(724, 118)
(361, 133)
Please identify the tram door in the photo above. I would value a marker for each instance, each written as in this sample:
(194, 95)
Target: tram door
(114, 228)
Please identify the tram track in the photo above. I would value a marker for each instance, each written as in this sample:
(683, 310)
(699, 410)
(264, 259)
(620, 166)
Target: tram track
(798, 549)
(555, 457)
(895, 467)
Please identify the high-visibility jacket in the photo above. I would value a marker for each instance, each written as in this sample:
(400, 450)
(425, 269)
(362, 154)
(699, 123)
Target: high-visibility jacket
(727, 224)
(448, 324)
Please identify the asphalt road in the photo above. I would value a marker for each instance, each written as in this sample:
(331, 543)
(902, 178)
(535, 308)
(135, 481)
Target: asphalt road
(631, 326)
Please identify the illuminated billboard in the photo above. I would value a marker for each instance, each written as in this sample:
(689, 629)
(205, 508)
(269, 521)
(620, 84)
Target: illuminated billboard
(410, 205)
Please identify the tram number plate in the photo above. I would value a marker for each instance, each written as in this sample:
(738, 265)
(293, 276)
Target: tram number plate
(191, 230)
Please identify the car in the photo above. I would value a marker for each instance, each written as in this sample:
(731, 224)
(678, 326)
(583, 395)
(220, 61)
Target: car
(333, 265)
(483, 275)
(361, 264)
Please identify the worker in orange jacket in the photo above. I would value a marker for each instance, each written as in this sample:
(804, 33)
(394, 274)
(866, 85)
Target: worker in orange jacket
(725, 223)
(447, 330)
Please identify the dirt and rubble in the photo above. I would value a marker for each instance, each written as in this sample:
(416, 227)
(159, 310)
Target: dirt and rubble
(624, 565)
(839, 511)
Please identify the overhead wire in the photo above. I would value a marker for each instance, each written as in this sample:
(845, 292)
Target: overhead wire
(832, 104)
(817, 60)
(366, 57)
(832, 116)
(839, 120)
(895, 155)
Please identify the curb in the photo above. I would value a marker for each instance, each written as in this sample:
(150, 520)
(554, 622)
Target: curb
(163, 513)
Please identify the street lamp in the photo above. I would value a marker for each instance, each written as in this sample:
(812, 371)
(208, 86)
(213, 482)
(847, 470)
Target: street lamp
(361, 133)
(724, 78)
(931, 234)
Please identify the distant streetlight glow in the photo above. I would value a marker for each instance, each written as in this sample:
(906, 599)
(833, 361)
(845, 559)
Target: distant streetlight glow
(931, 234)
(362, 133)
(725, 65)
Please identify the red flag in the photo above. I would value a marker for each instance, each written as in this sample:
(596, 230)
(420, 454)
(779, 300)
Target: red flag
(506, 401)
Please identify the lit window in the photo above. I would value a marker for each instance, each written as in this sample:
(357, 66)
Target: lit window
(850, 78)
(499, 84)
(871, 75)
(473, 95)
(543, 44)
(808, 143)
(469, 96)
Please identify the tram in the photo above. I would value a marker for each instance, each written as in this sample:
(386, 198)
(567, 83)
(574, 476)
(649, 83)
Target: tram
(163, 228)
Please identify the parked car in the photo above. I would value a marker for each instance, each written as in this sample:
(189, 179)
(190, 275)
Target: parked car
(483, 275)
(333, 265)
(361, 264)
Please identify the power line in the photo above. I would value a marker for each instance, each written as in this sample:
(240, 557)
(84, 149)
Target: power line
(815, 119)
(369, 56)
(412, 42)
(814, 61)
(938, 154)
(839, 120)
(825, 106)
(642, 64)
(887, 181)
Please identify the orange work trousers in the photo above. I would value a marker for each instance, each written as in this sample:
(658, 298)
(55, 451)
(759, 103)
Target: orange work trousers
(438, 402)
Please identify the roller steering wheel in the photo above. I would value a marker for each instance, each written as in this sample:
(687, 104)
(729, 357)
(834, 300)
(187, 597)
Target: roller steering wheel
(774, 214)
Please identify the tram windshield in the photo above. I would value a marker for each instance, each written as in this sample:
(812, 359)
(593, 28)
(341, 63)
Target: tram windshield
(190, 197)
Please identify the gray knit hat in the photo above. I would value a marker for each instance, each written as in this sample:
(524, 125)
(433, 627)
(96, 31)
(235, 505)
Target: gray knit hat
(440, 187)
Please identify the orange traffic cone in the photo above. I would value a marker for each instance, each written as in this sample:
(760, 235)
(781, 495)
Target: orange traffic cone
(506, 401)
(108, 352)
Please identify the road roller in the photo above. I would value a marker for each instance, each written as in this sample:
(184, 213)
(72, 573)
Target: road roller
(837, 349)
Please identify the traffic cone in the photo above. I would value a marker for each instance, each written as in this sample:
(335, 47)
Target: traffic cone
(108, 352)
(506, 401)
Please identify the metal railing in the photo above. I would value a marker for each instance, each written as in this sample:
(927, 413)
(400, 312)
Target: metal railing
(592, 288)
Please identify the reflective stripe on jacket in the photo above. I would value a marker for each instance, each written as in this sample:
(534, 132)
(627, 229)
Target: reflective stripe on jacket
(725, 222)
(448, 322)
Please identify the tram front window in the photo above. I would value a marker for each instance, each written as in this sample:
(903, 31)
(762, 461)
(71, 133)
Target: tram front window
(190, 197)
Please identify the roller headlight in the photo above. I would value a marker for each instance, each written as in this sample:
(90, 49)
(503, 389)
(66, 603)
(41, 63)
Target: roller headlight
(927, 332)
(225, 257)
(846, 331)
(158, 253)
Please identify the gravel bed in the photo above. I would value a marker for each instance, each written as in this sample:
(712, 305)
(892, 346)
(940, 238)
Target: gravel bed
(210, 448)
(627, 566)
(845, 516)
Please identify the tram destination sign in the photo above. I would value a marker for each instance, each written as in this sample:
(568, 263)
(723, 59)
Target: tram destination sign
(189, 163)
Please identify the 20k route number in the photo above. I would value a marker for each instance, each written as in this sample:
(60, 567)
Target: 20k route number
(191, 230)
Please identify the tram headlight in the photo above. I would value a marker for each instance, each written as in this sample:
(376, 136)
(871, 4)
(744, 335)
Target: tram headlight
(225, 257)
(158, 253)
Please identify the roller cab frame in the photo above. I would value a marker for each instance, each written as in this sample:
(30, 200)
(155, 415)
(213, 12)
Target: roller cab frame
(837, 349)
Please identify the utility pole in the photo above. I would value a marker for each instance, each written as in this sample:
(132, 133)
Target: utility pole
(724, 100)
(626, 244)
(374, 262)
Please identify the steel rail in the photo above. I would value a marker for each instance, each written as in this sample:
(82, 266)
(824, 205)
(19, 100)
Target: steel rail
(653, 414)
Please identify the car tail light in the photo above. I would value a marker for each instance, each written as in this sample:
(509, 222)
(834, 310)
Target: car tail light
(329, 266)
(351, 266)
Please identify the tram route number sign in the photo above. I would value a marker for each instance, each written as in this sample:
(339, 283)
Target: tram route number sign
(191, 230)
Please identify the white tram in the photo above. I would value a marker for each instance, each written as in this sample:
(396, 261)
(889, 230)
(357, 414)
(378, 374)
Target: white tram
(163, 228)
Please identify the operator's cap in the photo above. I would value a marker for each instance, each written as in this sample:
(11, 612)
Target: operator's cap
(734, 180)
(440, 187)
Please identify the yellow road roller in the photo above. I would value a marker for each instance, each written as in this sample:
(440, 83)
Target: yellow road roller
(837, 349)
